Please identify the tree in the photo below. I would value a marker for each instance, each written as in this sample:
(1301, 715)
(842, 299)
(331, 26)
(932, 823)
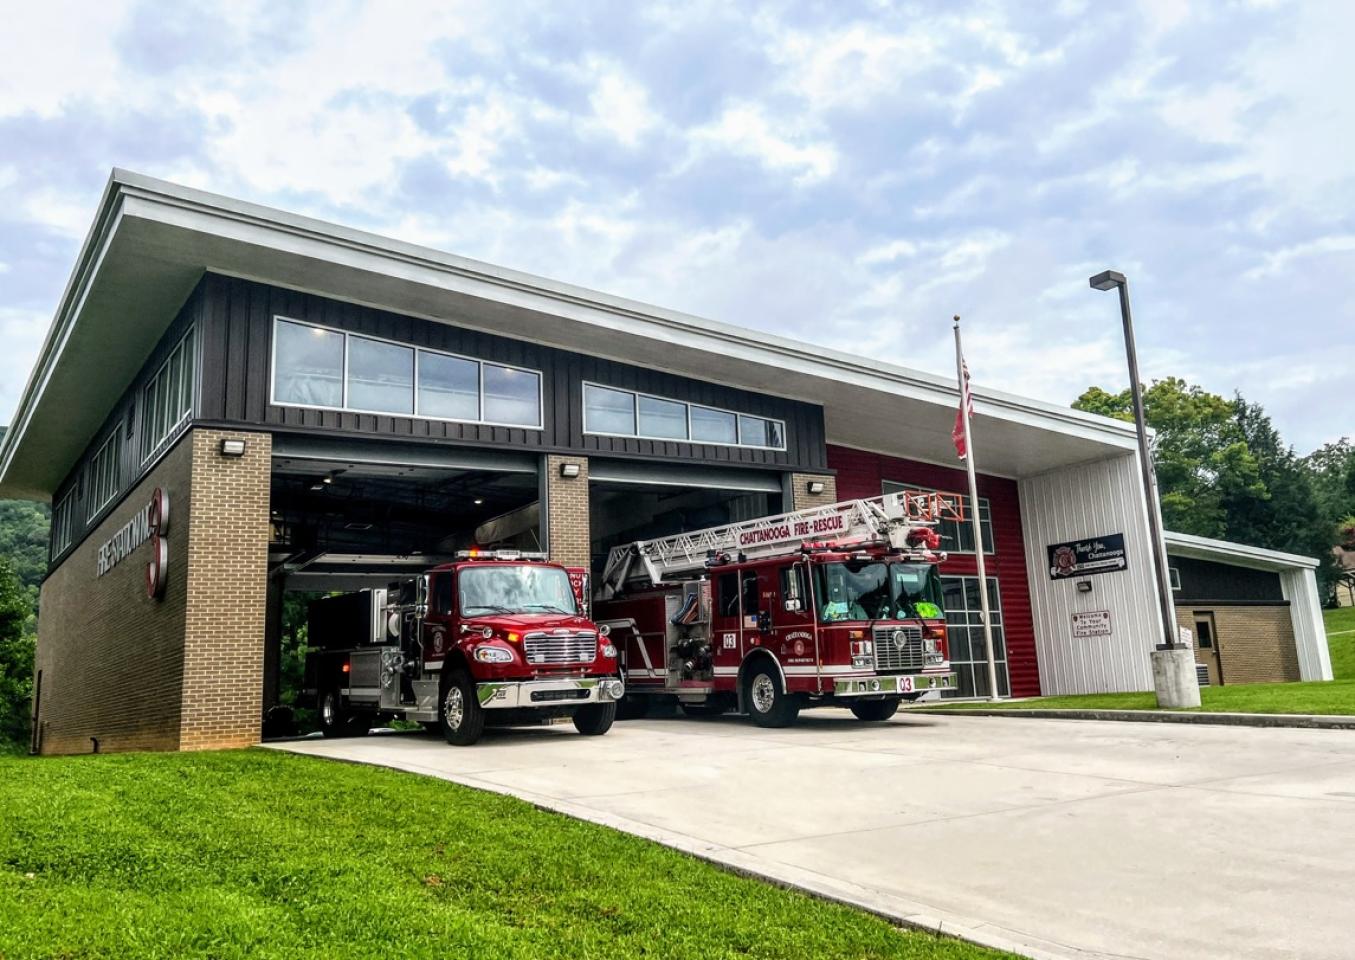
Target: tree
(1197, 450)
(1223, 471)
(16, 658)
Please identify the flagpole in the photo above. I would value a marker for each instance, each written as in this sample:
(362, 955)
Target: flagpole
(974, 515)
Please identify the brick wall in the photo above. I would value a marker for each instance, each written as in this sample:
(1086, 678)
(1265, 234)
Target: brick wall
(111, 657)
(1255, 643)
(802, 499)
(225, 622)
(567, 537)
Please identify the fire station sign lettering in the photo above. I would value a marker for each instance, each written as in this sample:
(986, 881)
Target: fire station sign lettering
(151, 522)
(1086, 558)
(1091, 623)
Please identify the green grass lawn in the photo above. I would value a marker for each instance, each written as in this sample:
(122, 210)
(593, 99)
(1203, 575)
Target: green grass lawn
(1341, 640)
(1331, 697)
(262, 854)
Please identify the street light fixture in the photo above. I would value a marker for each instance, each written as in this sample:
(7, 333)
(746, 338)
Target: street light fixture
(1170, 692)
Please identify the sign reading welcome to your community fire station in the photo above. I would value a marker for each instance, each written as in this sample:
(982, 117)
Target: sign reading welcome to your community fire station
(1085, 558)
(1091, 623)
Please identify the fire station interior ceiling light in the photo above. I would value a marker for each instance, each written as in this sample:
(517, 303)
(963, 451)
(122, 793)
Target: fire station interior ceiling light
(569, 469)
(816, 486)
(232, 448)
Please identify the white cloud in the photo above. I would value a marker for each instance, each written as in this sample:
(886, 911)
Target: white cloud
(620, 105)
(745, 129)
(1280, 261)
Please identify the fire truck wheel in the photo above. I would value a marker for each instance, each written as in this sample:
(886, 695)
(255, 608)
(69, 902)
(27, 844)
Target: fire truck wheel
(335, 721)
(460, 715)
(875, 709)
(594, 719)
(768, 704)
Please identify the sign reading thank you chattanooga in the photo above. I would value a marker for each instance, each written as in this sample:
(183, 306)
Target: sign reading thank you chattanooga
(1085, 558)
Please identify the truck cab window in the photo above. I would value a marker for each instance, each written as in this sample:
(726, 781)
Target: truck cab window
(751, 605)
(442, 594)
(728, 587)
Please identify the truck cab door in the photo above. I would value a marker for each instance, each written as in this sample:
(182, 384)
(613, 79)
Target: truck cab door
(794, 635)
(437, 634)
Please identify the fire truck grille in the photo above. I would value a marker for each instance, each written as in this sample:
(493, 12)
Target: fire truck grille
(558, 648)
(898, 648)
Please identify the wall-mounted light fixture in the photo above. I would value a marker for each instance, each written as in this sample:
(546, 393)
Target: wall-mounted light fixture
(1084, 586)
(816, 487)
(569, 469)
(232, 448)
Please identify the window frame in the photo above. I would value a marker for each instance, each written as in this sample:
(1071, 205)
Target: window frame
(152, 440)
(63, 524)
(1174, 578)
(985, 504)
(687, 405)
(997, 621)
(479, 362)
(97, 464)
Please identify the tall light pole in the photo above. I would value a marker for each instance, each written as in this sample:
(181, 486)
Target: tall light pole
(1113, 280)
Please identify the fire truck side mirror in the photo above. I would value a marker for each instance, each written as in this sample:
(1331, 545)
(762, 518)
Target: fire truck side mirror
(792, 604)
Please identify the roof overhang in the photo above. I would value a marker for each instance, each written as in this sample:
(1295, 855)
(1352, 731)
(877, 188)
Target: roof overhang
(151, 242)
(1236, 554)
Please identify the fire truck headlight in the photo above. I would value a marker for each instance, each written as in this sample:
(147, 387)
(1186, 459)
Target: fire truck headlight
(493, 655)
(609, 651)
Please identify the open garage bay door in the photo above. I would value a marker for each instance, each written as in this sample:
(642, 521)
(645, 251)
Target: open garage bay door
(637, 501)
(347, 515)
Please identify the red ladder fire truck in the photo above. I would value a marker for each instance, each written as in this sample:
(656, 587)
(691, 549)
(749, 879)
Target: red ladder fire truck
(836, 605)
(498, 637)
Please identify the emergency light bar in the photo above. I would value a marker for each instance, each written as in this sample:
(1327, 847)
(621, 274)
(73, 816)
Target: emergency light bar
(474, 554)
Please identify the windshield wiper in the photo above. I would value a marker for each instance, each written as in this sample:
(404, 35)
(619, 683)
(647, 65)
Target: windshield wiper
(490, 607)
(550, 607)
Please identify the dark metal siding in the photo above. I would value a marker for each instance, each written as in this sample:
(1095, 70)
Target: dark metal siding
(1203, 581)
(236, 339)
(132, 451)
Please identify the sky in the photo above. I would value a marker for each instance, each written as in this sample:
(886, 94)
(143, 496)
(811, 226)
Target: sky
(846, 173)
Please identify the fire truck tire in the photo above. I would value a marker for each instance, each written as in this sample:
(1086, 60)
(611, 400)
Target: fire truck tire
(594, 719)
(875, 709)
(335, 720)
(460, 716)
(768, 704)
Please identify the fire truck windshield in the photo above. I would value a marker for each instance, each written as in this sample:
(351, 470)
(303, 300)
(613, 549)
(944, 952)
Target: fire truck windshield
(514, 588)
(876, 590)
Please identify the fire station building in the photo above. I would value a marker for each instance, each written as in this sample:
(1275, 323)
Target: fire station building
(234, 402)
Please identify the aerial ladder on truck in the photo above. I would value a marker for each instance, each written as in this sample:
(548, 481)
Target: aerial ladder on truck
(901, 521)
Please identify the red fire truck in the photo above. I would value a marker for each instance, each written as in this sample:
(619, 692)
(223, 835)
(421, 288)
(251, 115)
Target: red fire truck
(495, 637)
(838, 605)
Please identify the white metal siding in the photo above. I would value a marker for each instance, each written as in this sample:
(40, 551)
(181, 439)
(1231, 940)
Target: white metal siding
(1310, 635)
(1077, 503)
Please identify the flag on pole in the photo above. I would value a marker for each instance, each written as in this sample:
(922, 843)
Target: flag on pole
(966, 411)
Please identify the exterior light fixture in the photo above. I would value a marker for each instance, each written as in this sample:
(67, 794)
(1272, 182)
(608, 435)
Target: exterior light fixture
(478, 500)
(1084, 586)
(569, 469)
(232, 448)
(816, 486)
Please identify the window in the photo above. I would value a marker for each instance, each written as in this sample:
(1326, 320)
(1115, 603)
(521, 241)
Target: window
(727, 592)
(964, 631)
(380, 376)
(442, 594)
(795, 586)
(664, 419)
(318, 367)
(167, 400)
(714, 426)
(1204, 631)
(63, 524)
(449, 387)
(102, 474)
(625, 413)
(1174, 575)
(956, 537)
(751, 606)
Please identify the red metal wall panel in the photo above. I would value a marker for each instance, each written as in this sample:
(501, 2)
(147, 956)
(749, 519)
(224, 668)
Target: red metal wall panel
(860, 474)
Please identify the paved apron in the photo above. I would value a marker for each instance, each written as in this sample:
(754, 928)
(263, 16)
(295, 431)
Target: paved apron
(1056, 838)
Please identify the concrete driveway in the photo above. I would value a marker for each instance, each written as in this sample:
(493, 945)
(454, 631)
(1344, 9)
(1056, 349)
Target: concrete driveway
(1055, 838)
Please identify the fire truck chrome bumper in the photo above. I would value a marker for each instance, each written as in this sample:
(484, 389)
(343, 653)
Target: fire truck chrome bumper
(899, 684)
(549, 693)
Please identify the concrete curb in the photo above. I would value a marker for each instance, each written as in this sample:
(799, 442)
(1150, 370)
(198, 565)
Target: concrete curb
(1306, 721)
